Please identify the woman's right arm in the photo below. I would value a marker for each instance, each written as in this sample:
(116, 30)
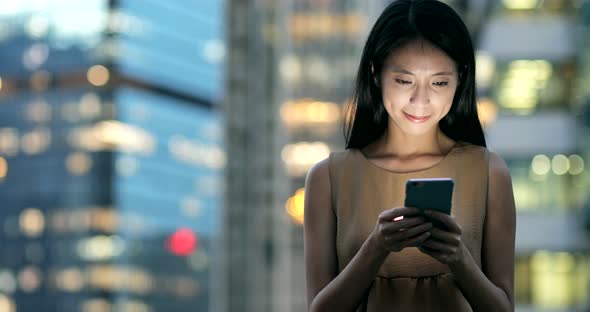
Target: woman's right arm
(327, 289)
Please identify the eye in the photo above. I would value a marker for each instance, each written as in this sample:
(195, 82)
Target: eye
(441, 83)
(403, 82)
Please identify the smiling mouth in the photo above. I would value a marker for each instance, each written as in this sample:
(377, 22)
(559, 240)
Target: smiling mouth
(416, 119)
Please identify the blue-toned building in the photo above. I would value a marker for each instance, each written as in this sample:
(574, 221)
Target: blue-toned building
(111, 155)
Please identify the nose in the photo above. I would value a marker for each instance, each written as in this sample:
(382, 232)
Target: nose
(420, 95)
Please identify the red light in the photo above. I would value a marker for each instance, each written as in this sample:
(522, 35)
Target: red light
(182, 242)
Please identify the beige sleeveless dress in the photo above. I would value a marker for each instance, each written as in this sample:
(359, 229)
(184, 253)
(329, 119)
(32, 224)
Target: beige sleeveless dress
(408, 280)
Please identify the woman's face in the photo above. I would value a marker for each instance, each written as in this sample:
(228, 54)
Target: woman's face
(418, 83)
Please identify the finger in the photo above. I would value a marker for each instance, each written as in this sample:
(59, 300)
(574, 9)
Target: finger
(405, 224)
(445, 219)
(438, 246)
(415, 241)
(411, 232)
(393, 213)
(446, 237)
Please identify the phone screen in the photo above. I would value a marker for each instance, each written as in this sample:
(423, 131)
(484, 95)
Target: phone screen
(432, 193)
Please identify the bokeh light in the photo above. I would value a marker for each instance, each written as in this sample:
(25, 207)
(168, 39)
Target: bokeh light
(98, 75)
(541, 164)
(32, 222)
(295, 206)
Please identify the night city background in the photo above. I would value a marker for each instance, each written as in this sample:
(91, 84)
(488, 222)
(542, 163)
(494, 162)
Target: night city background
(153, 152)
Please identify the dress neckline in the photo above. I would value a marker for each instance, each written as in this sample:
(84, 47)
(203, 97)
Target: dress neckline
(457, 145)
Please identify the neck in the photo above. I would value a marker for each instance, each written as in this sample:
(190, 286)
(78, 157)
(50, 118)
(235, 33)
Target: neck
(400, 144)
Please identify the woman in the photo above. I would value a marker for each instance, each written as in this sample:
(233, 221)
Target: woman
(413, 116)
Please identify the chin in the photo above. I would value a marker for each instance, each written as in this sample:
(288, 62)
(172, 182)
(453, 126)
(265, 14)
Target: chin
(416, 129)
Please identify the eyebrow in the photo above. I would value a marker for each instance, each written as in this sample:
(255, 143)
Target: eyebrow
(398, 69)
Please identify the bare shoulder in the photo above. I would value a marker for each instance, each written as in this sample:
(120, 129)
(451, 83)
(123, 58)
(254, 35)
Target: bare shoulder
(318, 177)
(498, 170)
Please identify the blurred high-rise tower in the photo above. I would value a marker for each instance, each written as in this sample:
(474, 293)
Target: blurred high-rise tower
(111, 155)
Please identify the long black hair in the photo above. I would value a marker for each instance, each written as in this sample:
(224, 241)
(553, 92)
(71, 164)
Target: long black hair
(401, 22)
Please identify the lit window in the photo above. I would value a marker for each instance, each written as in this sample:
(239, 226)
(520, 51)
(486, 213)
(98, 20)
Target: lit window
(78, 163)
(7, 304)
(3, 168)
(32, 222)
(294, 206)
(70, 279)
(29, 279)
(299, 157)
(98, 75)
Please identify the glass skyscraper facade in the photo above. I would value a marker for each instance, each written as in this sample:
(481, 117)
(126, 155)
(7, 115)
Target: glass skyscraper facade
(111, 155)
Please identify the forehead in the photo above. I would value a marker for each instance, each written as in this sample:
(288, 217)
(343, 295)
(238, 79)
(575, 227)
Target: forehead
(420, 55)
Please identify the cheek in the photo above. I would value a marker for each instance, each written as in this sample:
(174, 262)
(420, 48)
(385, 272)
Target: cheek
(393, 98)
(446, 100)
(447, 107)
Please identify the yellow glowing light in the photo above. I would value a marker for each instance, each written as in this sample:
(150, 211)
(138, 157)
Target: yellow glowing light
(308, 112)
(541, 165)
(3, 168)
(98, 75)
(522, 83)
(106, 220)
(117, 135)
(318, 26)
(7, 304)
(111, 135)
(294, 206)
(100, 247)
(0, 83)
(576, 164)
(9, 141)
(109, 277)
(487, 111)
(36, 141)
(71, 280)
(553, 278)
(520, 4)
(96, 305)
(560, 164)
(32, 222)
(132, 305)
(78, 163)
(300, 156)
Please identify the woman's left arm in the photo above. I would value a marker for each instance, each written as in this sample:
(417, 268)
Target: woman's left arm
(490, 288)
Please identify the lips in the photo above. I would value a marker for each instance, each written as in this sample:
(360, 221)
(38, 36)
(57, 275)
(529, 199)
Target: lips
(416, 119)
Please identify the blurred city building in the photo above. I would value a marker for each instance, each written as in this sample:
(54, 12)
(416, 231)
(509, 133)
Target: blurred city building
(290, 67)
(111, 155)
(533, 90)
